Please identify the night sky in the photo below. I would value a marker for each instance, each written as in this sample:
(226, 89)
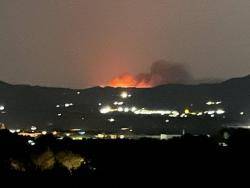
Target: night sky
(70, 43)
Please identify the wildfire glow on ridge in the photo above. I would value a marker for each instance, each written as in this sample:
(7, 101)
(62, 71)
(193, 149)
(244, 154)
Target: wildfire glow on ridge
(128, 80)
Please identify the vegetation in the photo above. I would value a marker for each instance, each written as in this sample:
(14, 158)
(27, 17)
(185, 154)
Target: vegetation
(109, 158)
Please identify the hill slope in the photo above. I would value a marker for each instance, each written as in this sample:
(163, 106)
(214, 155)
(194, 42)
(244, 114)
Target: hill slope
(32, 105)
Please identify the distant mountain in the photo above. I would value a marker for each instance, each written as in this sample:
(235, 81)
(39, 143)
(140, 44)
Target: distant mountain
(33, 105)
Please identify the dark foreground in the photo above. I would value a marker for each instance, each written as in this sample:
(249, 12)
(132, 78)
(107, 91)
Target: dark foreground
(125, 159)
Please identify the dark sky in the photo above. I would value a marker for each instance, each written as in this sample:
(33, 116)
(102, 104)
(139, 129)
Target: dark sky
(82, 43)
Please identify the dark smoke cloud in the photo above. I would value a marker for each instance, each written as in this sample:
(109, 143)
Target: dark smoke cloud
(163, 72)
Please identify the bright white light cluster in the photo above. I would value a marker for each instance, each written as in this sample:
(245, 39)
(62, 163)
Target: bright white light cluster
(31, 142)
(199, 113)
(81, 132)
(118, 106)
(149, 112)
(183, 115)
(2, 108)
(125, 95)
(170, 113)
(157, 112)
(110, 136)
(219, 112)
(116, 103)
(12, 130)
(210, 112)
(15, 130)
(135, 110)
(209, 103)
(106, 110)
(33, 128)
(111, 120)
(68, 105)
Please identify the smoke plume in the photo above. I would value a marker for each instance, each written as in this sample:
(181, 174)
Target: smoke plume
(161, 72)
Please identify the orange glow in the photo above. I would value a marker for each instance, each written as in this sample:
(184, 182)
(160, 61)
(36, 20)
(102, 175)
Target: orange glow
(126, 81)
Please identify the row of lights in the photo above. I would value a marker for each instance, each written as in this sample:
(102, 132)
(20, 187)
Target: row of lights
(170, 113)
(66, 105)
(209, 103)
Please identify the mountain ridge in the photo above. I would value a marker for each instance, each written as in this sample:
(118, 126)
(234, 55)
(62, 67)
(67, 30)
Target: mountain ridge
(36, 105)
(235, 79)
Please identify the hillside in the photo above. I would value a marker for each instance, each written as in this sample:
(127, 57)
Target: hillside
(32, 105)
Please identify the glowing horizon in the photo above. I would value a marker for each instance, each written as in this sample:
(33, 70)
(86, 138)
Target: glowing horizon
(128, 81)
